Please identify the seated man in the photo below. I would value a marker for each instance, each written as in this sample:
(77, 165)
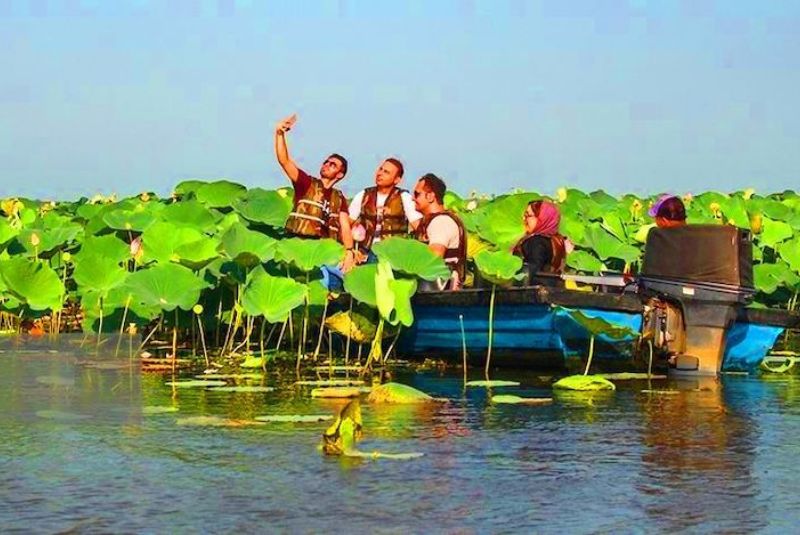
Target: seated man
(384, 210)
(441, 229)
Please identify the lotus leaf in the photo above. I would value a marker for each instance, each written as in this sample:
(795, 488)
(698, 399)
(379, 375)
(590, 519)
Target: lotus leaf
(352, 324)
(492, 384)
(412, 257)
(166, 286)
(156, 409)
(735, 212)
(613, 224)
(774, 232)
(607, 246)
(641, 234)
(252, 361)
(215, 421)
(7, 232)
(247, 247)
(776, 210)
(360, 283)
(597, 325)
(221, 193)
(272, 297)
(574, 229)
(48, 238)
(475, 245)
(242, 376)
(403, 290)
(584, 261)
(161, 241)
(769, 277)
(790, 251)
(630, 376)
(33, 283)
(268, 207)
(500, 221)
(309, 254)
(188, 187)
(98, 273)
(317, 293)
(500, 267)
(193, 383)
(591, 210)
(294, 418)
(331, 382)
(584, 383)
(197, 254)
(250, 389)
(189, 214)
(336, 392)
(137, 220)
(398, 393)
(517, 400)
(108, 246)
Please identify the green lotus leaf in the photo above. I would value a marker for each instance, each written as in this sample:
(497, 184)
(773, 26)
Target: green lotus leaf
(790, 251)
(613, 224)
(607, 246)
(195, 383)
(398, 393)
(584, 383)
(309, 254)
(219, 194)
(574, 229)
(774, 232)
(229, 220)
(453, 202)
(158, 409)
(492, 384)
(197, 254)
(89, 211)
(735, 212)
(412, 257)
(352, 324)
(394, 296)
(138, 219)
(641, 233)
(586, 262)
(272, 297)
(108, 246)
(517, 400)
(500, 221)
(769, 277)
(500, 267)
(262, 206)
(591, 210)
(776, 210)
(247, 247)
(403, 290)
(597, 325)
(161, 241)
(293, 418)
(330, 382)
(7, 232)
(166, 286)
(98, 273)
(189, 214)
(50, 235)
(336, 392)
(360, 283)
(33, 283)
(188, 187)
(317, 293)
(242, 388)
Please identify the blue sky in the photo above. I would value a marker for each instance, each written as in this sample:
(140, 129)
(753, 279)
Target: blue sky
(126, 96)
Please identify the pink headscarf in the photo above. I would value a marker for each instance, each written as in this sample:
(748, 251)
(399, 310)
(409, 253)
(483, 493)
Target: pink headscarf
(548, 219)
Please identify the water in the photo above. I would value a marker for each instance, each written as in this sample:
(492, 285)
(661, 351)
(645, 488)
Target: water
(77, 453)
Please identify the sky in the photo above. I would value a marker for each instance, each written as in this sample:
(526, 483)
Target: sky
(627, 96)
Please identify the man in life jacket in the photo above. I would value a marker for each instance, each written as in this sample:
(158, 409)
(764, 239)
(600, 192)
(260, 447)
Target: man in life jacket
(383, 210)
(441, 229)
(320, 209)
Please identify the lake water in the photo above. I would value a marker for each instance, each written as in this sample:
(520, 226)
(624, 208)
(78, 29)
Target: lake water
(78, 454)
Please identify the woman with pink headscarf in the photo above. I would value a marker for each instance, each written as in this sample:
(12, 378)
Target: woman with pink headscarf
(542, 248)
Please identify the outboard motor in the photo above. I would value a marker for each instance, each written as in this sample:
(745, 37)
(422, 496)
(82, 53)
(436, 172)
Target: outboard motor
(693, 281)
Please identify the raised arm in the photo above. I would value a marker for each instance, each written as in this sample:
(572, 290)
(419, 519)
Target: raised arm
(282, 151)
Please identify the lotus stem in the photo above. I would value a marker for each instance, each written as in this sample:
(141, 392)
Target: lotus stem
(463, 346)
(491, 331)
(349, 332)
(280, 336)
(330, 351)
(650, 361)
(375, 349)
(219, 318)
(150, 334)
(100, 327)
(321, 330)
(175, 341)
(261, 343)
(391, 346)
(203, 340)
(591, 354)
(122, 325)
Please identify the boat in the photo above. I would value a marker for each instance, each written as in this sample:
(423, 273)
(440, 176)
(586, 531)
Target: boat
(690, 310)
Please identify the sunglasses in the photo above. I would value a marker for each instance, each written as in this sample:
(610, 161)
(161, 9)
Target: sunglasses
(417, 193)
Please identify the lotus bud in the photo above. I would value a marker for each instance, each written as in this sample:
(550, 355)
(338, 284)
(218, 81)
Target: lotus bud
(283, 192)
(714, 206)
(35, 241)
(136, 249)
(756, 223)
(144, 196)
(472, 204)
(561, 194)
(66, 257)
(359, 233)
(96, 199)
(197, 309)
(748, 193)
(132, 330)
(731, 222)
(636, 208)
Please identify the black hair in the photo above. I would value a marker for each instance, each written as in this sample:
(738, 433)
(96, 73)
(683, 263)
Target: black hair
(397, 163)
(341, 159)
(672, 209)
(435, 185)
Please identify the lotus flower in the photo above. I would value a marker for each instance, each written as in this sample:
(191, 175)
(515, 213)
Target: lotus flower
(561, 194)
(359, 233)
(35, 240)
(472, 204)
(136, 248)
(144, 196)
(714, 206)
(748, 193)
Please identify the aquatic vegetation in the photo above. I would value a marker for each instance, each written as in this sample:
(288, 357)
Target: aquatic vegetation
(584, 383)
(492, 384)
(189, 383)
(250, 389)
(294, 418)
(336, 392)
(517, 400)
(156, 409)
(398, 393)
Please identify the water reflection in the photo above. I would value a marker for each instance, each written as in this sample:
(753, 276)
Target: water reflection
(698, 460)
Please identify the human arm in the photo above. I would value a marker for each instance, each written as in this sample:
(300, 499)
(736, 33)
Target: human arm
(412, 215)
(537, 253)
(443, 234)
(282, 151)
(346, 235)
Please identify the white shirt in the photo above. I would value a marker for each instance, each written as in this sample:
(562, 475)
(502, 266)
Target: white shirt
(443, 231)
(408, 207)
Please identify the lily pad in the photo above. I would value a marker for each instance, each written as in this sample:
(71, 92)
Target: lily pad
(517, 400)
(336, 392)
(294, 418)
(331, 382)
(158, 409)
(242, 389)
(398, 393)
(189, 383)
(244, 376)
(584, 383)
(32, 282)
(215, 421)
(492, 384)
(629, 376)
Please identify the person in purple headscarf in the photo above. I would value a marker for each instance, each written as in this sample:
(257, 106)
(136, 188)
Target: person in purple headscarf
(542, 248)
(668, 212)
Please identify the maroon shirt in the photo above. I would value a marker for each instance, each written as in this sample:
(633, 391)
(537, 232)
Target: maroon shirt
(302, 184)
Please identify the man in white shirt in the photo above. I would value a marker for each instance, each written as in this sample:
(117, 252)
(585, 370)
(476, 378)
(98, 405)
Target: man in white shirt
(384, 209)
(441, 229)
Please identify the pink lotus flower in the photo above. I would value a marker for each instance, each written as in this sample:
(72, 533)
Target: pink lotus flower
(136, 247)
(359, 233)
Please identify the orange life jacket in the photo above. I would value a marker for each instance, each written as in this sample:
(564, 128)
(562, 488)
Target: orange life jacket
(389, 220)
(455, 258)
(316, 214)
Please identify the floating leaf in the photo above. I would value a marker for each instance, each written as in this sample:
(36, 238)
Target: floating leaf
(492, 384)
(155, 409)
(294, 418)
(517, 400)
(584, 383)
(398, 393)
(336, 392)
(192, 383)
(251, 389)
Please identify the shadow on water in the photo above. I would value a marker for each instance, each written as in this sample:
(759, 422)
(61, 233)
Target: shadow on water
(80, 454)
